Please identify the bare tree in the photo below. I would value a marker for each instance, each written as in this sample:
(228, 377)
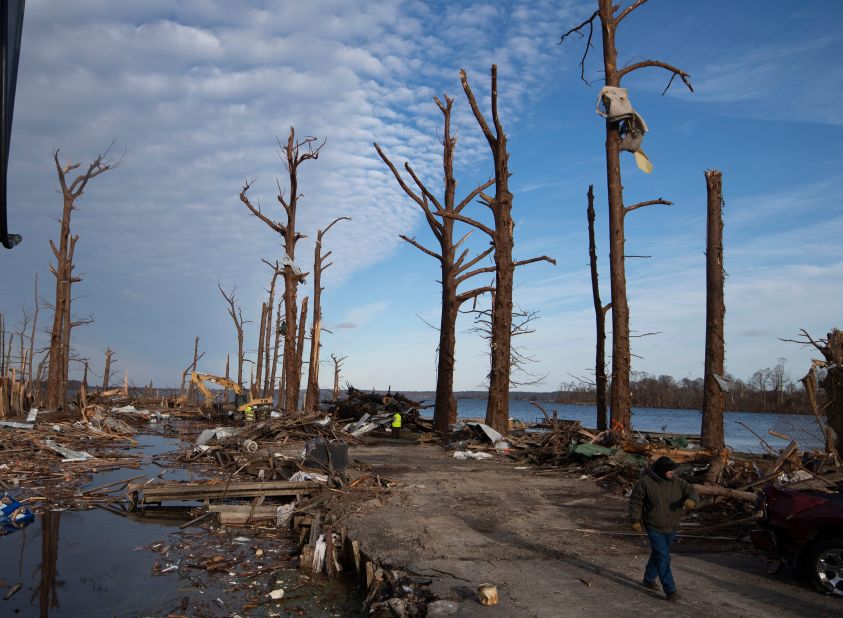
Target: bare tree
(191, 389)
(621, 399)
(278, 333)
(519, 375)
(311, 398)
(237, 317)
(83, 387)
(779, 380)
(269, 358)
(32, 337)
(2, 346)
(301, 334)
(337, 366)
(503, 240)
(715, 314)
(295, 153)
(107, 373)
(255, 386)
(600, 320)
(454, 270)
(828, 375)
(63, 272)
(191, 367)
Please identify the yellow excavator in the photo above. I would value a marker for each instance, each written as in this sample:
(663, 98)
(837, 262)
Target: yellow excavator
(242, 398)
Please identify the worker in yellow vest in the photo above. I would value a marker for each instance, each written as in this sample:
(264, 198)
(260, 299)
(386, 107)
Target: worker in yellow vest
(396, 424)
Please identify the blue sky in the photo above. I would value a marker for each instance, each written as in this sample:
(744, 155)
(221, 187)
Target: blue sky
(197, 93)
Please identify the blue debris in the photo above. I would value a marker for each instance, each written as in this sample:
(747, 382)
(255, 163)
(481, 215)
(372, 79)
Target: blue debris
(13, 515)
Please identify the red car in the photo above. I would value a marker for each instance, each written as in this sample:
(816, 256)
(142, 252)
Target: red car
(806, 527)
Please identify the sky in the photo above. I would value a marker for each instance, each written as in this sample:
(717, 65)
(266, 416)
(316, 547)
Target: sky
(193, 97)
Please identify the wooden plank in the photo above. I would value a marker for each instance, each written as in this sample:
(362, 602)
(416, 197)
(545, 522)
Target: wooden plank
(241, 513)
(159, 492)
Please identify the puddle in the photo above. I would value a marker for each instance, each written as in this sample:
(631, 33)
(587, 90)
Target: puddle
(97, 563)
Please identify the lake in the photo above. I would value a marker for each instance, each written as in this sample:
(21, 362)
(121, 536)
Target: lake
(802, 428)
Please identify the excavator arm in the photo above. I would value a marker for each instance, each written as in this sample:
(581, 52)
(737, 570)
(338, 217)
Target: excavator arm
(199, 380)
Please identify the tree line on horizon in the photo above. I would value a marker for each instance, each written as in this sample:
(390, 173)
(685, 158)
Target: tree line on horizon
(770, 390)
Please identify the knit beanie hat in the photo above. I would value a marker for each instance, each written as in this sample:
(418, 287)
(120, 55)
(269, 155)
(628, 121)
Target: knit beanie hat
(663, 465)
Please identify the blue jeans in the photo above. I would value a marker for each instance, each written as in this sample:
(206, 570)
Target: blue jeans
(659, 563)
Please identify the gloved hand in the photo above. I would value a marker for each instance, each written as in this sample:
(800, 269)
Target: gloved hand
(637, 527)
(689, 504)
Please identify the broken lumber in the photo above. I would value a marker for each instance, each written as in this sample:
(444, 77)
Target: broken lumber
(161, 492)
(715, 490)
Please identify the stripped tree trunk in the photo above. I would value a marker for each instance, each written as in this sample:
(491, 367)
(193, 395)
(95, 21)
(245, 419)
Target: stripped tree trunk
(267, 339)
(600, 378)
(191, 389)
(715, 310)
(278, 319)
(294, 155)
(503, 240)
(300, 344)
(106, 373)
(454, 270)
(63, 272)
(255, 386)
(337, 365)
(311, 399)
(236, 317)
(621, 398)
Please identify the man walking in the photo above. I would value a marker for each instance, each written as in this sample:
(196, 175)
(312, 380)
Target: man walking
(655, 506)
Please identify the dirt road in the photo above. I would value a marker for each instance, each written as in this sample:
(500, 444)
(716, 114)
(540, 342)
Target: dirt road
(464, 523)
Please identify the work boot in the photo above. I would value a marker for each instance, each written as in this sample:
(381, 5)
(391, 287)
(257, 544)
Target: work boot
(650, 585)
(672, 596)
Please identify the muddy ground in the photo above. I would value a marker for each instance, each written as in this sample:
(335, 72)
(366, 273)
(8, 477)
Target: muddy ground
(463, 523)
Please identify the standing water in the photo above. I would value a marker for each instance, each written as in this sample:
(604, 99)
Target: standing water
(110, 563)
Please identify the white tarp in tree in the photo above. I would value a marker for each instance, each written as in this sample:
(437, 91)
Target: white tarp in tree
(613, 104)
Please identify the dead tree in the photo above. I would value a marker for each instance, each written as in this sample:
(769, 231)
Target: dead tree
(519, 360)
(191, 389)
(255, 386)
(63, 272)
(269, 357)
(454, 270)
(34, 389)
(337, 366)
(311, 398)
(600, 310)
(828, 375)
(295, 153)
(237, 317)
(83, 387)
(2, 347)
(278, 334)
(503, 240)
(191, 367)
(106, 374)
(300, 339)
(610, 19)
(715, 313)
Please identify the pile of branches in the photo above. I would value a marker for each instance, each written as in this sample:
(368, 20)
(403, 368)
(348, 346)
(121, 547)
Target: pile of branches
(357, 403)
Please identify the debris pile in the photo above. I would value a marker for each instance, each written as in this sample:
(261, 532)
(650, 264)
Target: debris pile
(371, 411)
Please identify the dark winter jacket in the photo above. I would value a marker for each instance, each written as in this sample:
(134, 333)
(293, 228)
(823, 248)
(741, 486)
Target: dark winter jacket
(657, 502)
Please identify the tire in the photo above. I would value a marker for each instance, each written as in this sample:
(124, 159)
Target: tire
(825, 566)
